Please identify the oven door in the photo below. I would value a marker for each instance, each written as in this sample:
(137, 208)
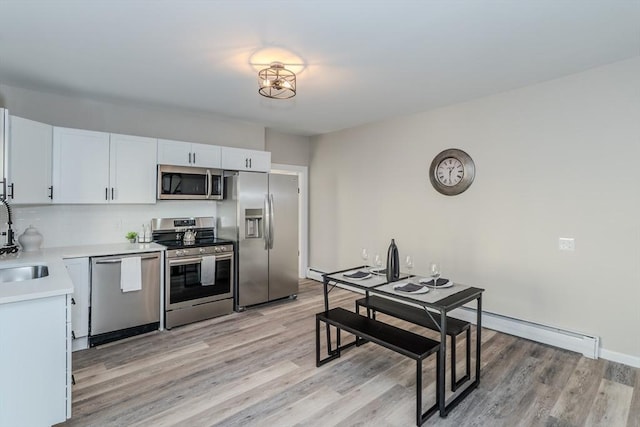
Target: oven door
(191, 281)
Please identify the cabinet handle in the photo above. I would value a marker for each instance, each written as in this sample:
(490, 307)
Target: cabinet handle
(112, 198)
(106, 193)
(11, 187)
(246, 162)
(250, 166)
(51, 192)
(73, 301)
(73, 380)
(189, 158)
(194, 158)
(73, 335)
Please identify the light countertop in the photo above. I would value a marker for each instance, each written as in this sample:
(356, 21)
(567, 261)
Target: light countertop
(58, 281)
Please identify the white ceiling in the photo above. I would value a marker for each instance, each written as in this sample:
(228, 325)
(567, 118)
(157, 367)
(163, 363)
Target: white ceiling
(363, 60)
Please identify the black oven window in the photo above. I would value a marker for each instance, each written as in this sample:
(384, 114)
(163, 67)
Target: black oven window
(185, 284)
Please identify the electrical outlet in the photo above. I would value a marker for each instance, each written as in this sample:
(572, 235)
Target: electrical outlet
(567, 244)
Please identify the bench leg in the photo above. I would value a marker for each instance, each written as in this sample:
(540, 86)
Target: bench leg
(360, 341)
(453, 363)
(420, 416)
(457, 383)
(419, 392)
(317, 342)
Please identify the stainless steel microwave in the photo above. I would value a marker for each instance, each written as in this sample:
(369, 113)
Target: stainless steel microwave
(189, 183)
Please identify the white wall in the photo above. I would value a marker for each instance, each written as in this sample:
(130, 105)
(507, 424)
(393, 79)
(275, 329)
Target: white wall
(67, 225)
(558, 159)
(288, 149)
(141, 120)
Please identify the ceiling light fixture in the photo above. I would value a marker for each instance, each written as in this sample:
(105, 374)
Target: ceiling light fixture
(277, 82)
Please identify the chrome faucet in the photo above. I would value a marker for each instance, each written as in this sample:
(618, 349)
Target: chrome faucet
(10, 247)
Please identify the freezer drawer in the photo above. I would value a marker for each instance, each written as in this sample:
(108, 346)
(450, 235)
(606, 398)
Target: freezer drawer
(111, 308)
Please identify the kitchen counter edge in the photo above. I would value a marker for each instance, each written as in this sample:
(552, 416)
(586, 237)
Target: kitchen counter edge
(58, 281)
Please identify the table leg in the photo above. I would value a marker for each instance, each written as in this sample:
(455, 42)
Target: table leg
(478, 337)
(325, 283)
(443, 365)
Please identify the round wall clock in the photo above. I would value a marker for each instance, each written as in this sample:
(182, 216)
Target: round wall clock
(452, 172)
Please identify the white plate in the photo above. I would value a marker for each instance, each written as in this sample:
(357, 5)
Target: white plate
(422, 290)
(425, 281)
(377, 270)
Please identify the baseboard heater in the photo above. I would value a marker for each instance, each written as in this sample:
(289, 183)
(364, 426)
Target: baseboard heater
(587, 345)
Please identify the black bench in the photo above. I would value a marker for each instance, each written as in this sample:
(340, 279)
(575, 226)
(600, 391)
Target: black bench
(418, 316)
(399, 340)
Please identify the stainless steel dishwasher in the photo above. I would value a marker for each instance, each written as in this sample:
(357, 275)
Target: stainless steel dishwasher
(116, 314)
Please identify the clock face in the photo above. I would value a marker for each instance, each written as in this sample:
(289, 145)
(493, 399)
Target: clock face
(450, 171)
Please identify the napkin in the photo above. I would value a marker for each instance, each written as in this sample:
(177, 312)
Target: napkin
(358, 275)
(442, 283)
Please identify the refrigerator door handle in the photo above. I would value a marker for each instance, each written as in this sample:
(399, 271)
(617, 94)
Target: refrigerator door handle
(271, 222)
(267, 220)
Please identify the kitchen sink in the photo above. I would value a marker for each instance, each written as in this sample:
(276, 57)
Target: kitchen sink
(27, 272)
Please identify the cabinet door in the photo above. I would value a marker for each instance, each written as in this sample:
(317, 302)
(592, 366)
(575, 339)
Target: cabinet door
(33, 362)
(80, 166)
(260, 161)
(205, 156)
(78, 269)
(174, 153)
(132, 169)
(29, 162)
(245, 160)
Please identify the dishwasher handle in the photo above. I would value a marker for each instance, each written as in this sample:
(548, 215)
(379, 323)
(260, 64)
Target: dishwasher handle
(118, 261)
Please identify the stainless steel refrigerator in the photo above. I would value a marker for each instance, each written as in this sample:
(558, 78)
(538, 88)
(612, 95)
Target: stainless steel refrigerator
(260, 212)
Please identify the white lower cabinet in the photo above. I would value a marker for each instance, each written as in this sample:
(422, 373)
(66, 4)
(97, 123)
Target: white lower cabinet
(78, 269)
(35, 370)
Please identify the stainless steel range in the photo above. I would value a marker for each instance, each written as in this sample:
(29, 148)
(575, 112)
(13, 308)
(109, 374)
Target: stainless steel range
(199, 269)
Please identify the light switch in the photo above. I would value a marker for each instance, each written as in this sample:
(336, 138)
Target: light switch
(566, 244)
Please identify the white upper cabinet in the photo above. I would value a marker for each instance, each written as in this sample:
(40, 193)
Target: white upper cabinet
(132, 167)
(98, 167)
(180, 153)
(245, 160)
(80, 166)
(29, 162)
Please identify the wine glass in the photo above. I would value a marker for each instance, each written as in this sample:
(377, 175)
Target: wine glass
(377, 262)
(364, 253)
(408, 262)
(434, 272)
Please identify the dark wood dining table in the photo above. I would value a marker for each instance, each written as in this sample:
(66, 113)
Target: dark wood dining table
(436, 304)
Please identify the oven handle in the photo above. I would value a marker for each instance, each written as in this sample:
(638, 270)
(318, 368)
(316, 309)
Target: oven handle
(184, 261)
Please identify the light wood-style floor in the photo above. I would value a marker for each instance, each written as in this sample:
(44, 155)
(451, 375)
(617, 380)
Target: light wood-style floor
(257, 368)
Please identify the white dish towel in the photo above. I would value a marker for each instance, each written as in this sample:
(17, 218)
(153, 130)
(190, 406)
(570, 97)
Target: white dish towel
(208, 271)
(131, 274)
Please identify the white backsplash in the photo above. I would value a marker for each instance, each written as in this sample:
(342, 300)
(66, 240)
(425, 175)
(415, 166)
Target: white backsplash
(70, 225)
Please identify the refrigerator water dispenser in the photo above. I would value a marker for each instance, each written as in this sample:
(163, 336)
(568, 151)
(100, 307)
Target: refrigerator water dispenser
(253, 223)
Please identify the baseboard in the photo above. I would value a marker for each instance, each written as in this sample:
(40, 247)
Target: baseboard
(625, 359)
(585, 344)
(579, 342)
